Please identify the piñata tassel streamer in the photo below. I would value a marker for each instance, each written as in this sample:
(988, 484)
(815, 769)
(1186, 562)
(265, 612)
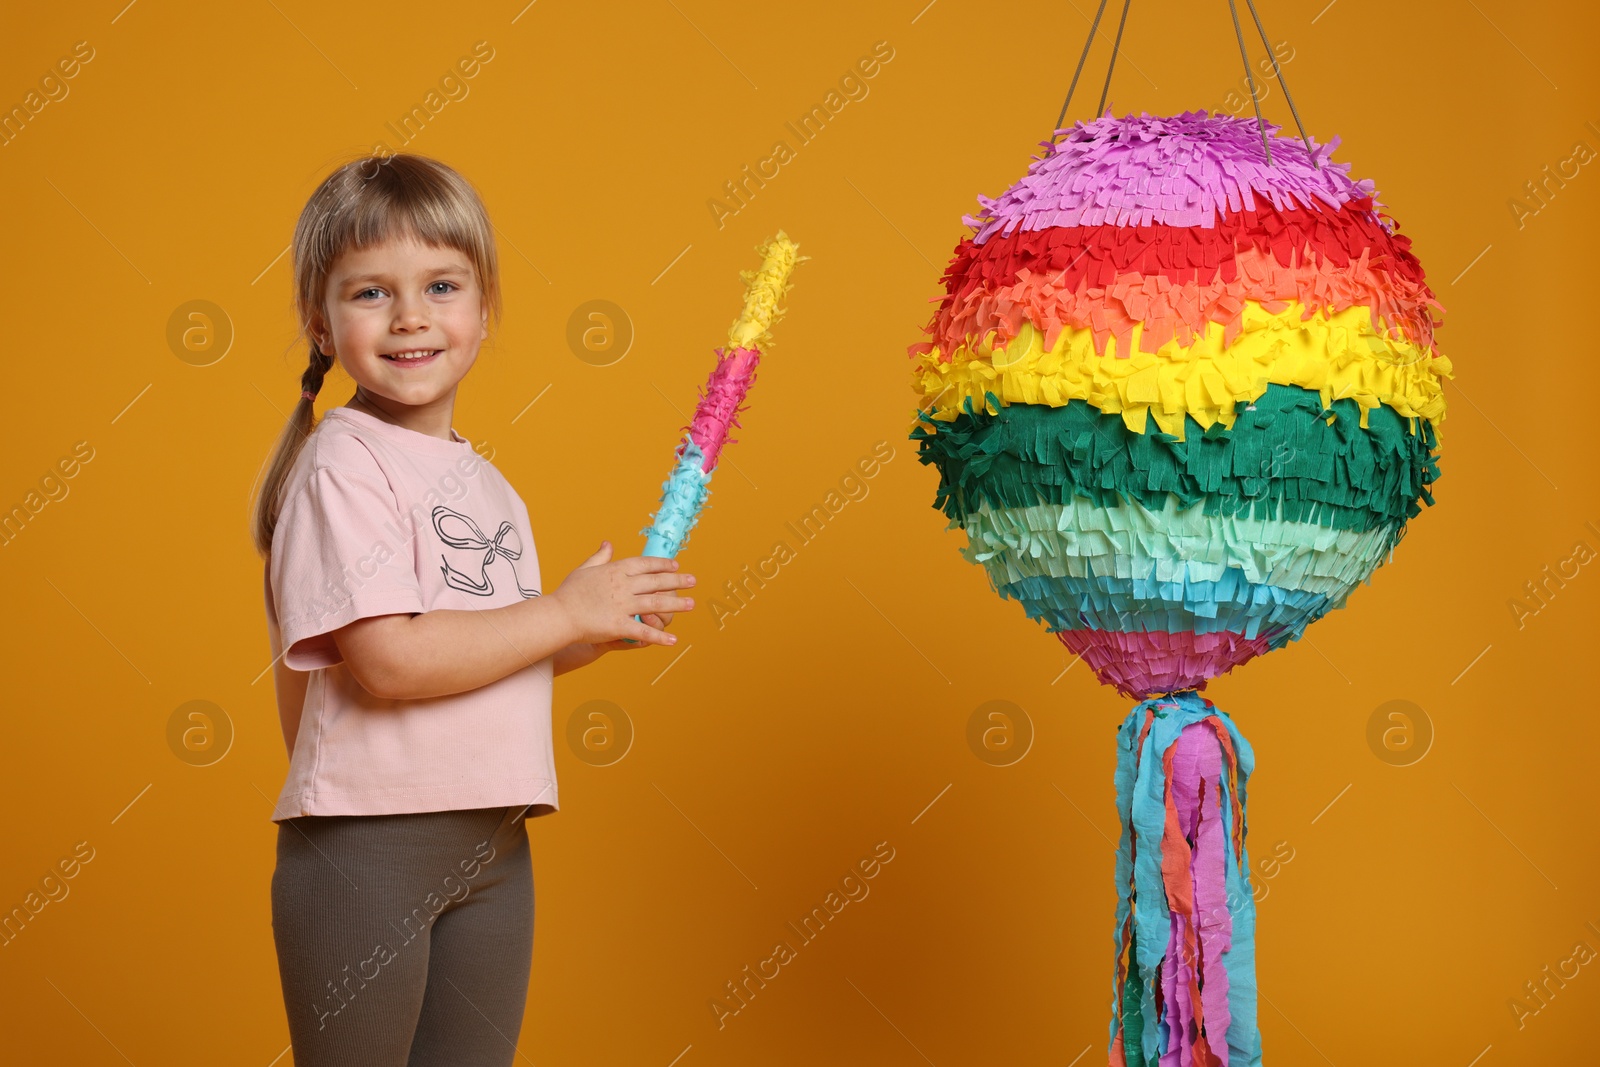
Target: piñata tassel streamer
(685, 491)
(1184, 984)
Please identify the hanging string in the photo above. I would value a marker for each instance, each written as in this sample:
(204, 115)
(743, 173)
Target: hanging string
(1095, 25)
(1278, 71)
(1250, 79)
(1112, 65)
(1244, 57)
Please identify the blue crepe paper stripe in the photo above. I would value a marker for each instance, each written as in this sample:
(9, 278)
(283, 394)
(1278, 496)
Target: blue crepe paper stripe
(1141, 605)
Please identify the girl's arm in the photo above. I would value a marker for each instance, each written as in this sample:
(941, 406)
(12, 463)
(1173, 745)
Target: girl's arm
(437, 653)
(574, 656)
(408, 656)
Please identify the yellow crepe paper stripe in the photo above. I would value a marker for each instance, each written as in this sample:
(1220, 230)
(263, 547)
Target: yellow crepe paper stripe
(765, 287)
(1340, 356)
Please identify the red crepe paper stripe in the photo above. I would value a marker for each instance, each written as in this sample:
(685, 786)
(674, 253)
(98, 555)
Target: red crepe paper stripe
(1080, 258)
(1182, 312)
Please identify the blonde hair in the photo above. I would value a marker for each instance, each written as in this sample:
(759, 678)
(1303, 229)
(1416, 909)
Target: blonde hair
(365, 202)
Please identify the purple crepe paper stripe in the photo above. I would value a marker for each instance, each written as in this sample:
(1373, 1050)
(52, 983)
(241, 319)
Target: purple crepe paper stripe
(1177, 970)
(1177, 171)
(1185, 786)
(1198, 761)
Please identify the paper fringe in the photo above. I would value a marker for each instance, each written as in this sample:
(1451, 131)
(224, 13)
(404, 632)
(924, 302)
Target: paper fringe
(1079, 539)
(1073, 258)
(1229, 604)
(1179, 313)
(1338, 356)
(765, 287)
(1087, 571)
(683, 495)
(1183, 981)
(1141, 665)
(685, 491)
(1181, 170)
(1287, 459)
(722, 401)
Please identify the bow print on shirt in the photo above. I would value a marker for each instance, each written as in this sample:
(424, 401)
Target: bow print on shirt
(489, 549)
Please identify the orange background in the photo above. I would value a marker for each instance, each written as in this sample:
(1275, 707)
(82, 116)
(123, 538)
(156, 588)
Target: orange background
(833, 709)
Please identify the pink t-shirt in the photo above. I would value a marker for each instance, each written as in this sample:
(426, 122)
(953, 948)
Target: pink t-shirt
(379, 519)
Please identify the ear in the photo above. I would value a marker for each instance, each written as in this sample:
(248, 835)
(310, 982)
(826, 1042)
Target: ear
(484, 336)
(319, 332)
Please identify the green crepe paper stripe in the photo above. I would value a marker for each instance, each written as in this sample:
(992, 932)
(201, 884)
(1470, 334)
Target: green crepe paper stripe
(1080, 539)
(1280, 460)
(1132, 1013)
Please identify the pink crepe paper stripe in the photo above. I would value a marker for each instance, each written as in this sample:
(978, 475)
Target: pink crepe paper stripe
(1177, 970)
(1178, 171)
(719, 406)
(1211, 897)
(1142, 663)
(1196, 769)
(1197, 773)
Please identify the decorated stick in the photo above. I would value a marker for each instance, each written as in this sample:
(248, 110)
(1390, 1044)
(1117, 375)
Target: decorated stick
(686, 488)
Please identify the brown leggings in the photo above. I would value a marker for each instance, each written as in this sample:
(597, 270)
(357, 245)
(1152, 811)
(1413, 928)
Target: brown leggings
(404, 940)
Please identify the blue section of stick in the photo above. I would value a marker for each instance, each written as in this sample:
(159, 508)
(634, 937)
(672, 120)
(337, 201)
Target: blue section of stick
(683, 494)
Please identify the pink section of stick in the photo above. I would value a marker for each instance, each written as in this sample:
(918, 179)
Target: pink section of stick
(719, 407)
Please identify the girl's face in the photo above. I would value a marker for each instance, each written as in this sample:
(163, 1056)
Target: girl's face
(404, 298)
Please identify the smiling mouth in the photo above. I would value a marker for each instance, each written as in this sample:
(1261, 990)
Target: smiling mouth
(413, 356)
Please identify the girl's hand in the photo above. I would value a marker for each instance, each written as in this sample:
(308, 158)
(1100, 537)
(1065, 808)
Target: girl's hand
(601, 597)
(660, 622)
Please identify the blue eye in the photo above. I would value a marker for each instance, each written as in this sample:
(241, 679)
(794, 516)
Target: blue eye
(374, 289)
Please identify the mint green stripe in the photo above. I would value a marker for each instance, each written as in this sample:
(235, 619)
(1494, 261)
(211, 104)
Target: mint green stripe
(1081, 539)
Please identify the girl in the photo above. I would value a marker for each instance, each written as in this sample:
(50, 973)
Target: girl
(413, 644)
